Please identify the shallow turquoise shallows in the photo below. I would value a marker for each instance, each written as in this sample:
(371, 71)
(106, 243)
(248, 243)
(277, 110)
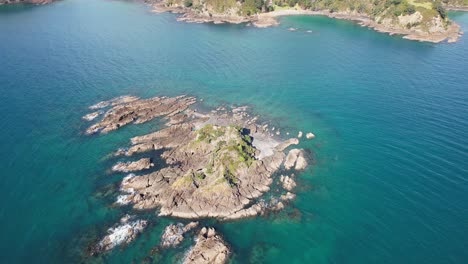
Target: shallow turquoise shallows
(390, 179)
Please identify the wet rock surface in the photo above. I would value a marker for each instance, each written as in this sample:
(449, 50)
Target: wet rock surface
(310, 136)
(174, 234)
(141, 164)
(209, 248)
(129, 109)
(122, 233)
(92, 116)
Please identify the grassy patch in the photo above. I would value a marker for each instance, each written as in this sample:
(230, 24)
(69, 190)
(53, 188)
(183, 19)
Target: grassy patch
(419, 3)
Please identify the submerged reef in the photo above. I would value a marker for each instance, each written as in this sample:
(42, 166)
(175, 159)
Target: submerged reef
(218, 164)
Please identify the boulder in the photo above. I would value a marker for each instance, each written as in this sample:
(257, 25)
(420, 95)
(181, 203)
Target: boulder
(287, 182)
(296, 159)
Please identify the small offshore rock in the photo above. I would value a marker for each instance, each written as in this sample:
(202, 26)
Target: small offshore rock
(300, 134)
(100, 105)
(288, 196)
(209, 248)
(123, 233)
(174, 234)
(310, 136)
(287, 182)
(296, 159)
(91, 116)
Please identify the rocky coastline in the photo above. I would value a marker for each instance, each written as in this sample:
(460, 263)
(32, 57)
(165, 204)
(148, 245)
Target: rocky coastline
(436, 33)
(219, 164)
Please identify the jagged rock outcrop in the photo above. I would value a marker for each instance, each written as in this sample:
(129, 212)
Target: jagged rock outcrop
(130, 109)
(174, 234)
(141, 164)
(122, 233)
(209, 248)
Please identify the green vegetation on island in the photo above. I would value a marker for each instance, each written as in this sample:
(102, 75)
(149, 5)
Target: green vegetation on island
(418, 19)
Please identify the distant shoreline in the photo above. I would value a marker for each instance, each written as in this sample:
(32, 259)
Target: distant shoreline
(269, 19)
(33, 2)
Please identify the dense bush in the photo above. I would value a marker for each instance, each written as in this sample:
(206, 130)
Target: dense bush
(188, 3)
(410, 10)
(440, 9)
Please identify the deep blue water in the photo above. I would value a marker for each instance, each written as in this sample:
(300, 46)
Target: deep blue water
(390, 183)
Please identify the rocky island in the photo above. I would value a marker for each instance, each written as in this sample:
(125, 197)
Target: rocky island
(420, 20)
(218, 164)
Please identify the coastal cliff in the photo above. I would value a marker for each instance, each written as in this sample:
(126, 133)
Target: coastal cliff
(421, 20)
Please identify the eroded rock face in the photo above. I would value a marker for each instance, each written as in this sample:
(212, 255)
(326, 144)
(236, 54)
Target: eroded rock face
(141, 164)
(210, 248)
(174, 234)
(122, 233)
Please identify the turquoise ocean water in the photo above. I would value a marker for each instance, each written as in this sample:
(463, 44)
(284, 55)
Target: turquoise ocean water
(390, 179)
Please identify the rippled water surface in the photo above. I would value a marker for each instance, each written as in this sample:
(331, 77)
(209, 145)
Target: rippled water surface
(390, 182)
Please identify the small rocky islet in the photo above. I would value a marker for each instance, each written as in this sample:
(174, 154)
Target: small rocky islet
(218, 164)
